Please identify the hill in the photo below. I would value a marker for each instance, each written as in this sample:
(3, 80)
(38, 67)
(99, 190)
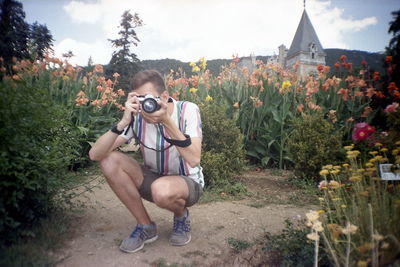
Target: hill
(375, 61)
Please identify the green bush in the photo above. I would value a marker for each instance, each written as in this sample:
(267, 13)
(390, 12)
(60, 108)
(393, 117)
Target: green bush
(293, 246)
(314, 143)
(223, 155)
(38, 144)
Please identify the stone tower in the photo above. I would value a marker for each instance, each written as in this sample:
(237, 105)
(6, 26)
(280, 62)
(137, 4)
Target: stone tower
(305, 48)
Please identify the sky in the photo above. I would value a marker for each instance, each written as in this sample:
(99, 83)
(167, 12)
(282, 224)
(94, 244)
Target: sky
(189, 29)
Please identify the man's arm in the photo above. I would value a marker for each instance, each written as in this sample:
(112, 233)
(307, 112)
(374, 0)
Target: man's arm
(192, 153)
(110, 141)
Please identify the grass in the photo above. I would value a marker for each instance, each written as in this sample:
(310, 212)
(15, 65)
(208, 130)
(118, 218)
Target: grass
(238, 245)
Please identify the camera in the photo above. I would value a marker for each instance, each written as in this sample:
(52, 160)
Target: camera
(149, 103)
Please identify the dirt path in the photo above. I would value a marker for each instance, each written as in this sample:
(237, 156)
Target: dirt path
(100, 229)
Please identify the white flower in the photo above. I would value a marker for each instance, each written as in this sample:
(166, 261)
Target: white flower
(312, 216)
(349, 229)
(313, 236)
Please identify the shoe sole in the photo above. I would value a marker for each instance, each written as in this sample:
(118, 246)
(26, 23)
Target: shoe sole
(181, 244)
(148, 241)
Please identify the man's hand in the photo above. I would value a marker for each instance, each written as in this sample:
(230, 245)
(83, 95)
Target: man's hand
(159, 116)
(132, 106)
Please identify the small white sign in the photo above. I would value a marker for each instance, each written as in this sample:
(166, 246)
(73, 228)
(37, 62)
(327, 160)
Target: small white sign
(386, 173)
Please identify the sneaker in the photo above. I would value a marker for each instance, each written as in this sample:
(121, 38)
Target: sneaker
(181, 231)
(141, 235)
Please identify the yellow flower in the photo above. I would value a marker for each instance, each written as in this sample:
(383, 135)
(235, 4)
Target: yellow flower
(329, 167)
(192, 64)
(286, 84)
(384, 149)
(378, 144)
(209, 98)
(397, 143)
(324, 172)
(321, 199)
(362, 264)
(348, 148)
(320, 211)
(337, 167)
(369, 164)
(195, 69)
(384, 160)
(360, 170)
(365, 193)
(343, 206)
(193, 90)
(65, 78)
(336, 199)
(395, 152)
(345, 165)
(355, 178)
(373, 153)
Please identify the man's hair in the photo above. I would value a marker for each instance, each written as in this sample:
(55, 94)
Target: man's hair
(151, 76)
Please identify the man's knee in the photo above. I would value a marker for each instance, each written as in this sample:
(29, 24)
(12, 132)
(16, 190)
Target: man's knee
(110, 163)
(161, 193)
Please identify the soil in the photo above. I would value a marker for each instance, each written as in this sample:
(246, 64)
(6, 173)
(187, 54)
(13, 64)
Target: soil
(98, 231)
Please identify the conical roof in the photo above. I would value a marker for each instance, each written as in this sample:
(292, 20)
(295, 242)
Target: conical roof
(305, 35)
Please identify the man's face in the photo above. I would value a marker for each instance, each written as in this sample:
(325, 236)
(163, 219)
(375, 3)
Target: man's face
(146, 89)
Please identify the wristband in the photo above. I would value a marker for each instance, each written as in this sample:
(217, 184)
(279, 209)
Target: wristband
(181, 143)
(115, 130)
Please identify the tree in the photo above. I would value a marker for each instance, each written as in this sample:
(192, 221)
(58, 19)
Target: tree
(393, 49)
(40, 40)
(123, 60)
(14, 31)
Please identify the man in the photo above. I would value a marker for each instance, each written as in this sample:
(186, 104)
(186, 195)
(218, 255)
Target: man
(171, 176)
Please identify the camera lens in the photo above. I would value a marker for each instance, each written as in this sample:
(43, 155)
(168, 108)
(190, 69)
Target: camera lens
(150, 105)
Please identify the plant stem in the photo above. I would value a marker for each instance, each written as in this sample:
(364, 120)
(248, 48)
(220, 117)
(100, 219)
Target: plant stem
(374, 258)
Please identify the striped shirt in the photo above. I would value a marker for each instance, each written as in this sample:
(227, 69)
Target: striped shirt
(186, 116)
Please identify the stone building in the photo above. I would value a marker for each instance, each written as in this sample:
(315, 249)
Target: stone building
(306, 49)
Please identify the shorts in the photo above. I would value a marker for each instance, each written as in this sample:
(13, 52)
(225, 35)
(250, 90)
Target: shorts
(195, 189)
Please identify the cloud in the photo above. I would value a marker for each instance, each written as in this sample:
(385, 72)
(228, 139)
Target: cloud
(99, 50)
(188, 29)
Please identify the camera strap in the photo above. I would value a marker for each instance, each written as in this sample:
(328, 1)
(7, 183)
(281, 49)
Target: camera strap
(181, 143)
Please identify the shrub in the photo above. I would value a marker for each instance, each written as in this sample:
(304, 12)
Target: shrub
(293, 247)
(223, 154)
(314, 143)
(38, 144)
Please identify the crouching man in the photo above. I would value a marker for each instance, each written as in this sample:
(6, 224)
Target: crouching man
(170, 134)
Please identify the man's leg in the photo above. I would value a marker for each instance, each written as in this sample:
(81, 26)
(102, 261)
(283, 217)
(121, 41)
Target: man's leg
(124, 175)
(171, 193)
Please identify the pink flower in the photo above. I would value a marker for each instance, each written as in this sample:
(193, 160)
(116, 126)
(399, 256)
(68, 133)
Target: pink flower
(362, 131)
(322, 185)
(392, 107)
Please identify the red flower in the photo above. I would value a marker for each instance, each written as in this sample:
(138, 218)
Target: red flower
(376, 76)
(360, 134)
(320, 68)
(343, 58)
(337, 65)
(388, 59)
(392, 87)
(364, 63)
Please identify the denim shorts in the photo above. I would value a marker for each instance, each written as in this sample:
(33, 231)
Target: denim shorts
(195, 189)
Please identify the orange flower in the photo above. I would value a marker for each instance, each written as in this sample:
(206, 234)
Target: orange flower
(337, 65)
(344, 93)
(236, 105)
(379, 94)
(99, 88)
(370, 92)
(366, 112)
(376, 76)
(116, 75)
(259, 103)
(392, 87)
(98, 68)
(388, 59)
(313, 106)
(343, 58)
(15, 77)
(300, 108)
(364, 63)
(120, 92)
